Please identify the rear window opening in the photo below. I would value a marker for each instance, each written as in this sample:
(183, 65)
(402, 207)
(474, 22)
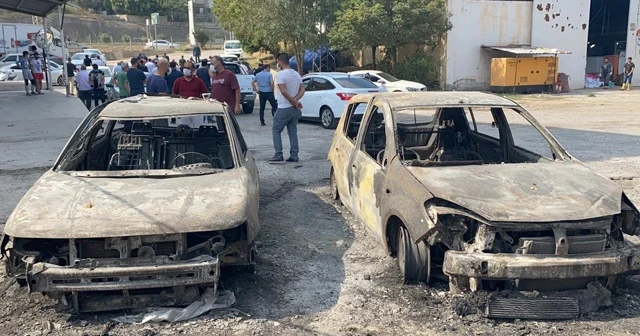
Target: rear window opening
(186, 144)
(356, 83)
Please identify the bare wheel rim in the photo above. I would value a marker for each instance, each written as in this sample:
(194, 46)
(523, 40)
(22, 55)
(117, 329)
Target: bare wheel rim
(402, 253)
(327, 117)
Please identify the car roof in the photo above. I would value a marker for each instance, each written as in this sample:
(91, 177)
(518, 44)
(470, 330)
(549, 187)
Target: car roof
(328, 74)
(159, 107)
(228, 55)
(231, 41)
(357, 72)
(400, 101)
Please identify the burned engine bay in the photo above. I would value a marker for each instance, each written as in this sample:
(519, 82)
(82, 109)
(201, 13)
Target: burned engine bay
(102, 274)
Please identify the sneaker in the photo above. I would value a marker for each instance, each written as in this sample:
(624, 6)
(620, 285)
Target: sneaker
(28, 94)
(276, 159)
(292, 159)
(262, 123)
(33, 93)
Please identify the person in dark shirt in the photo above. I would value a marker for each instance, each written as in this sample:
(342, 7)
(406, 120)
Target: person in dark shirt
(86, 61)
(189, 85)
(157, 84)
(142, 67)
(173, 75)
(203, 73)
(197, 52)
(96, 79)
(629, 68)
(71, 75)
(136, 78)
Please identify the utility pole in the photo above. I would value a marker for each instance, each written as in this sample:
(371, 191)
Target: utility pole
(65, 51)
(192, 25)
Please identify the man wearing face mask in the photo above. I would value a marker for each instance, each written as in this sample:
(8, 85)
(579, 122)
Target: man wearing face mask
(224, 85)
(189, 85)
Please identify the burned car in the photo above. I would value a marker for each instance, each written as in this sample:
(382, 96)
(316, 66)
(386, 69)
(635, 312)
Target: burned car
(148, 200)
(470, 186)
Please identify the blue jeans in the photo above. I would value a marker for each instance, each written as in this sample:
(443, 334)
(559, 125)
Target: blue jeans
(286, 117)
(627, 79)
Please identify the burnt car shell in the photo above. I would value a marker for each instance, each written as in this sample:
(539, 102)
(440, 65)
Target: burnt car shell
(484, 211)
(108, 239)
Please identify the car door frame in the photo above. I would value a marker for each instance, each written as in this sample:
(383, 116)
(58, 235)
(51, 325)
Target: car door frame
(368, 177)
(245, 160)
(306, 99)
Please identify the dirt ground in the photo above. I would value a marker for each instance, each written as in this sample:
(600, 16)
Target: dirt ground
(319, 272)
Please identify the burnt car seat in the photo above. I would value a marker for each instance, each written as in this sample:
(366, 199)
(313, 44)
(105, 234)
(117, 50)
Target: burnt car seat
(452, 141)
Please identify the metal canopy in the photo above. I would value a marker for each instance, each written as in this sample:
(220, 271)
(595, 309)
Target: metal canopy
(32, 7)
(527, 50)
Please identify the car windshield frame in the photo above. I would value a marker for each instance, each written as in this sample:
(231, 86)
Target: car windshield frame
(233, 45)
(86, 129)
(425, 111)
(386, 76)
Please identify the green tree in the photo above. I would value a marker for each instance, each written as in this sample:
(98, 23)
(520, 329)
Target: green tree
(202, 36)
(298, 24)
(359, 24)
(390, 23)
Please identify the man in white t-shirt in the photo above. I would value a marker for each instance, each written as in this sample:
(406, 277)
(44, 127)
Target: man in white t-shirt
(290, 90)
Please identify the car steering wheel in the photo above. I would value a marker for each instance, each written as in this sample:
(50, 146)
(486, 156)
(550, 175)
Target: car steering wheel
(182, 155)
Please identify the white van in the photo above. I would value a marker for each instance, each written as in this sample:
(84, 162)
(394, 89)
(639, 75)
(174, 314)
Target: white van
(233, 47)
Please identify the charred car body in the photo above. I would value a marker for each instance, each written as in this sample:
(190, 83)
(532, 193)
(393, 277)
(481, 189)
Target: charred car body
(148, 200)
(455, 183)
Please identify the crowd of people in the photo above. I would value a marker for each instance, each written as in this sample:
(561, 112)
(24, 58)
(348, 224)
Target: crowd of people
(208, 78)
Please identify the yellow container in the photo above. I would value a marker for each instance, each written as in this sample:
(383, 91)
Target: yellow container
(523, 72)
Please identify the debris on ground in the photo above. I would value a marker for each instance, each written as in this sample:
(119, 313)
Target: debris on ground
(208, 301)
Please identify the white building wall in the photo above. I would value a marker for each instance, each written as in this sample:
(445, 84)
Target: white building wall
(477, 23)
(564, 24)
(633, 37)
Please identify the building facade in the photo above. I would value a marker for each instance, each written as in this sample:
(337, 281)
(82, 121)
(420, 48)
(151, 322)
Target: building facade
(554, 24)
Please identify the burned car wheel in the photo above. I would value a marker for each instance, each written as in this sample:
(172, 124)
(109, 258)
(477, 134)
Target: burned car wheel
(414, 260)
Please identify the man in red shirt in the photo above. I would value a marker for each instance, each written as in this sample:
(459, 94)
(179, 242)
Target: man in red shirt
(189, 85)
(224, 85)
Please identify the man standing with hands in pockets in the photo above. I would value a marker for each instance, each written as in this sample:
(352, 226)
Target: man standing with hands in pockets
(290, 90)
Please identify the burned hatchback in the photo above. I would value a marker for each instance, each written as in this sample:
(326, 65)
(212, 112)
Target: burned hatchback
(471, 187)
(146, 203)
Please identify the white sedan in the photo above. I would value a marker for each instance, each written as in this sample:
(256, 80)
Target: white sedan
(392, 84)
(327, 94)
(161, 45)
(78, 58)
(14, 73)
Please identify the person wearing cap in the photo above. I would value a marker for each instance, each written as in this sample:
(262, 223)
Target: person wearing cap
(122, 82)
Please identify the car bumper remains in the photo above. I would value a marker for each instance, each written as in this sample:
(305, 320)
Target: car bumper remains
(519, 266)
(122, 274)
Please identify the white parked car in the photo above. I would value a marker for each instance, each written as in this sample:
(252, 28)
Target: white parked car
(10, 59)
(327, 94)
(392, 84)
(233, 47)
(98, 52)
(13, 72)
(78, 58)
(160, 45)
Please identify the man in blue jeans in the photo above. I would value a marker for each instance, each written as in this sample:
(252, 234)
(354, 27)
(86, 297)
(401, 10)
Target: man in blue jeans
(263, 86)
(290, 90)
(629, 68)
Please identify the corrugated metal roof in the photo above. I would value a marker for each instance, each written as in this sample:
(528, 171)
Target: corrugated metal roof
(527, 50)
(32, 7)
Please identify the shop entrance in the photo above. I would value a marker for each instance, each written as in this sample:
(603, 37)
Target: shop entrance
(608, 25)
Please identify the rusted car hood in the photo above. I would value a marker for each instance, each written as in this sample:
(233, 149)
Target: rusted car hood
(63, 206)
(534, 192)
